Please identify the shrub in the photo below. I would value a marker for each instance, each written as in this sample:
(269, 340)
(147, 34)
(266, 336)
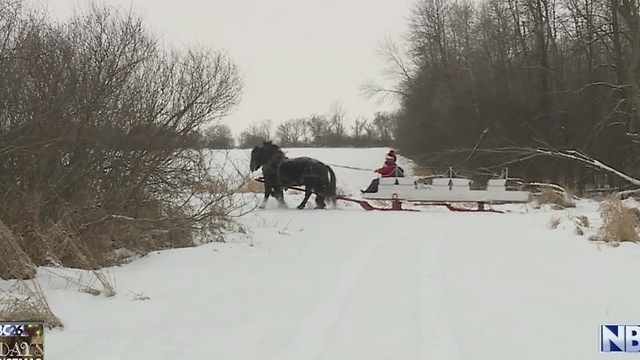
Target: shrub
(620, 223)
(98, 130)
(555, 198)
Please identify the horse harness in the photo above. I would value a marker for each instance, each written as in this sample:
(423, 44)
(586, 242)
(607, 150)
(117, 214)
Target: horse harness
(306, 173)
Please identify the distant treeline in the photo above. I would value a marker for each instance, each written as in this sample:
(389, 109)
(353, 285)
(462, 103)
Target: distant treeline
(329, 130)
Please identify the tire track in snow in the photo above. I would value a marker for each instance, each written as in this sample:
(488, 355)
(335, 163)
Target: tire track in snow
(436, 335)
(311, 339)
(379, 321)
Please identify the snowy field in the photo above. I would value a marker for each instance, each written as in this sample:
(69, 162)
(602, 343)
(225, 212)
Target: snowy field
(355, 285)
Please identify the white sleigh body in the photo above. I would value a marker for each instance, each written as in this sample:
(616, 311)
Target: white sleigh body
(443, 190)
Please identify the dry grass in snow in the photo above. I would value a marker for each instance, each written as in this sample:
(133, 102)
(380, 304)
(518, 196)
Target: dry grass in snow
(557, 199)
(251, 186)
(620, 223)
(25, 300)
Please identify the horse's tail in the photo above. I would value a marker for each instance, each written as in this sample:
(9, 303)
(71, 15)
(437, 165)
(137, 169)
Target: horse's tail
(332, 189)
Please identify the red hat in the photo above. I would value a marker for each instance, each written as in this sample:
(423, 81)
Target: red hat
(391, 155)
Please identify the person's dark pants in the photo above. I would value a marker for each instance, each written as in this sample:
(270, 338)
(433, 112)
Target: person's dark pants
(373, 187)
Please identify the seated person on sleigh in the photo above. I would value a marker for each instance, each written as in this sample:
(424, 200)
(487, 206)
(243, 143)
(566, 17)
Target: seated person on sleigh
(389, 169)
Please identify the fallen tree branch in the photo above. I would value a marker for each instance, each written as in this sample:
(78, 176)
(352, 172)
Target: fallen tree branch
(520, 154)
(527, 153)
(628, 193)
(578, 156)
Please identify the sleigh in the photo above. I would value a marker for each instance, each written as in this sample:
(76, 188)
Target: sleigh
(447, 191)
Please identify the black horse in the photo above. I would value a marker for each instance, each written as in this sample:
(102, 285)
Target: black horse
(279, 172)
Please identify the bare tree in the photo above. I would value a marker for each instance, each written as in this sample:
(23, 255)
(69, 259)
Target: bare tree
(255, 134)
(383, 123)
(337, 132)
(399, 73)
(319, 129)
(219, 136)
(97, 129)
(292, 132)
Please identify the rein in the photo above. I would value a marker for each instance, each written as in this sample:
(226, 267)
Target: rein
(349, 167)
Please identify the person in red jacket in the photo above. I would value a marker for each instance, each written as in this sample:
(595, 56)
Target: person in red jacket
(389, 169)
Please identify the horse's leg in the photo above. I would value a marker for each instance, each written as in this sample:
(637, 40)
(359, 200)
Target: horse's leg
(320, 189)
(307, 194)
(279, 194)
(320, 204)
(267, 193)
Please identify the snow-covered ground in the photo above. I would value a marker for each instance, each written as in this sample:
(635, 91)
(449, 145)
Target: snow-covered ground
(355, 285)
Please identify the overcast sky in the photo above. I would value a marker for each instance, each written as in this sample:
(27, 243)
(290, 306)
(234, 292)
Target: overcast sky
(298, 57)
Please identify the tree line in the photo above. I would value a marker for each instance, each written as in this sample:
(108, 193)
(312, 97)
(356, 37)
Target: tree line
(324, 130)
(475, 78)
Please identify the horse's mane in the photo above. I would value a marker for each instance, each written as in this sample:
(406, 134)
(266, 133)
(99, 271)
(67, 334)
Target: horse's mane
(274, 149)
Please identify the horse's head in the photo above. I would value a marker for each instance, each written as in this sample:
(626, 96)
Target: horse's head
(262, 154)
(256, 158)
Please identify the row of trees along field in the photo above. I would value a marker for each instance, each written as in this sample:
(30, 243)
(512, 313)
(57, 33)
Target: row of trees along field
(326, 130)
(510, 75)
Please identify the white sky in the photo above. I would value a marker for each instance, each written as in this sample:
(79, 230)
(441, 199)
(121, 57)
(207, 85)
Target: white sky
(298, 57)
